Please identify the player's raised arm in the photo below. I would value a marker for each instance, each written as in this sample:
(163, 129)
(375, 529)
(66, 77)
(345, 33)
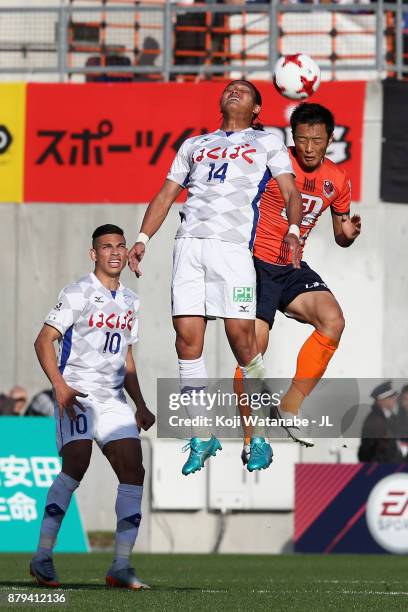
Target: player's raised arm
(154, 216)
(65, 396)
(345, 230)
(294, 209)
(144, 418)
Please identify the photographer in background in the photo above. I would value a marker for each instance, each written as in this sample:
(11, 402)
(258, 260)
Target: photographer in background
(380, 429)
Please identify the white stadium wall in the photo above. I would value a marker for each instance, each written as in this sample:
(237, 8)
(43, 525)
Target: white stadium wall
(45, 247)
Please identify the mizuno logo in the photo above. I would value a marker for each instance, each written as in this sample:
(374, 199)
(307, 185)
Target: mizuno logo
(99, 299)
(243, 308)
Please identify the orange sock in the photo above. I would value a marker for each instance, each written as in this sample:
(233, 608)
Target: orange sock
(312, 361)
(243, 406)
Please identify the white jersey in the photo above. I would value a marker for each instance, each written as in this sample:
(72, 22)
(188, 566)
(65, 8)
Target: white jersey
(225, 174)
(97, 326)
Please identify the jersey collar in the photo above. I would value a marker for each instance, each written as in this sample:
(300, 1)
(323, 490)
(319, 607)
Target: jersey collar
(227, 134)
(97, 283)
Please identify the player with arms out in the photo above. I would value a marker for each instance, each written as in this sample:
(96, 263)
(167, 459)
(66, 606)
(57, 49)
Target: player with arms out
(300, 293)
(95, 323)
(225, 173)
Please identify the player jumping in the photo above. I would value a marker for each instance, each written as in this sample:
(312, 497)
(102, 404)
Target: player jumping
(225, 173)
(300, 293)
(95, 323)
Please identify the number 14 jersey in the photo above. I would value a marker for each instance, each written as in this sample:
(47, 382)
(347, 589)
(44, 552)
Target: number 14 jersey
(225, 174)
(96, 326)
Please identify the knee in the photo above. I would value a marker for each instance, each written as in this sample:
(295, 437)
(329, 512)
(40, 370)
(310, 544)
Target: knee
(188, 347)
(132, 475)
(76, 467)
(332, 324)
(242, 340)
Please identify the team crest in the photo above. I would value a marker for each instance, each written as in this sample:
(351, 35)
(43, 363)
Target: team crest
(328, 189)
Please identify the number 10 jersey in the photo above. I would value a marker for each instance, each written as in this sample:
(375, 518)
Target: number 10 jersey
(96, 326)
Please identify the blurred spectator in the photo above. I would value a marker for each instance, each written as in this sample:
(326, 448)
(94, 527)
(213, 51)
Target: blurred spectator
(197, 41)
(42, 404)
(150, 51)
(6, 405)
(380, 428)
(110, 60)
(16, 403)
(403, 421)
(20, 397)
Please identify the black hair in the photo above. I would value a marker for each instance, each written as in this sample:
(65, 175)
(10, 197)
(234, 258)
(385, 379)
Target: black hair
(311, 114)
(255, 124)
(404, 389)
(108, 228)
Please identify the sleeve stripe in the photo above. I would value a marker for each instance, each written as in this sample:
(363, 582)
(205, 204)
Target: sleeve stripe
(339, 214)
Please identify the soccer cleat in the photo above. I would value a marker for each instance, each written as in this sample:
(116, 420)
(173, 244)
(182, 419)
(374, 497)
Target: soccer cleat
(260, 455)
(125, 578)
(298, 433)
(246, 451)
(200, 450)
(43, 570)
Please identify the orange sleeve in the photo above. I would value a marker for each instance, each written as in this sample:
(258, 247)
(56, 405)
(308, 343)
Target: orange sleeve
(341, 205)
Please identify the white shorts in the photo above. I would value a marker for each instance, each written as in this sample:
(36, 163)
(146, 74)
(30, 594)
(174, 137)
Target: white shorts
(102, 422)
(213, 278)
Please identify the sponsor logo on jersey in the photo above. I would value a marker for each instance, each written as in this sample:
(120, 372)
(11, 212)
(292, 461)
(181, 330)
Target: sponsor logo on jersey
(243, 294)
(99, 299)
(243, 308)
(227, 153)
(112, 320)
(312, 208)
(314, 285)
(58, 306)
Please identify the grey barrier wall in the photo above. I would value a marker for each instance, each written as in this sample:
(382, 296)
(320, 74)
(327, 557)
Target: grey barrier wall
(45, 246)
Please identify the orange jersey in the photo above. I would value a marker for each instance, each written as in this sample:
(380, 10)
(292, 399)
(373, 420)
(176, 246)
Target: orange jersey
(326, 186)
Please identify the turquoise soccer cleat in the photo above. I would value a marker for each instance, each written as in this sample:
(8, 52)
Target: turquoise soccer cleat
(200, 450)
(260, 455)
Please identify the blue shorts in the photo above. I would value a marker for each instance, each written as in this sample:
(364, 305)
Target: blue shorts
(278, 286)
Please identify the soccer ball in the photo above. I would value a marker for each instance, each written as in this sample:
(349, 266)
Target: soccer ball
(296, 76)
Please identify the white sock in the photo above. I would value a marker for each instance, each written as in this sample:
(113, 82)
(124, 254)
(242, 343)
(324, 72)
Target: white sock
(193, 373)
(194, 377)
(255, 368)
(58, 499)
(129, 513)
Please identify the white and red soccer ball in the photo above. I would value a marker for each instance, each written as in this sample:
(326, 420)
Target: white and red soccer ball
(296, 76)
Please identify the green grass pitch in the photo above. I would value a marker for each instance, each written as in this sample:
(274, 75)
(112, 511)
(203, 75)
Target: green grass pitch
(223, 582)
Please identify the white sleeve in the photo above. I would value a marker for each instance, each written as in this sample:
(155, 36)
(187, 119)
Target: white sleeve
(278, 160)
(180, 168)
(67, 310)
(134, 332)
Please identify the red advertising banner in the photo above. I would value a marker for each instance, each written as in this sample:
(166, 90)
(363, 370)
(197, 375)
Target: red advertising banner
(99, 142)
